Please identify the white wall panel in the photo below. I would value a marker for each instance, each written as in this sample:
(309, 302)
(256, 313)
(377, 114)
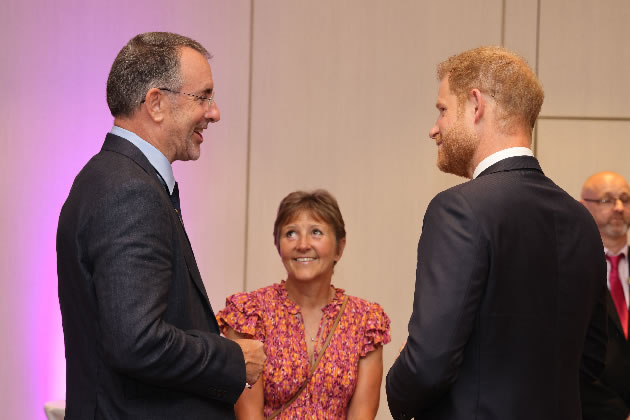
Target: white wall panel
(343, 98)
(520, 28)
(571, 151)
(214, 192)
(585, 57)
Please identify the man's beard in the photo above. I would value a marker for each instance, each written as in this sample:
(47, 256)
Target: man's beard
(456, 152)
(615, 231)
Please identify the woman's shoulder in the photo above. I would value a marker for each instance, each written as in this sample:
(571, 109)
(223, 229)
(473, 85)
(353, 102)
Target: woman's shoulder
(270, 291)
(364, 305)
(246, 312)
(374, 321)
(259, 300)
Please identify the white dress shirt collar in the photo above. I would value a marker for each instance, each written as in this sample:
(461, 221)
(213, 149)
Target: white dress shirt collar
(500, 155)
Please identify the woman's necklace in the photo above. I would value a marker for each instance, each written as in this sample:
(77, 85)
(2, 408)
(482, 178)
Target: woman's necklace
(309, 335)
(315, 337)
(311, 347)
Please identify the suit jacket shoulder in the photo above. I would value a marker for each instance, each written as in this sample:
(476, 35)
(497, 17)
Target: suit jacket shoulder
(509, 276)
(139, 330)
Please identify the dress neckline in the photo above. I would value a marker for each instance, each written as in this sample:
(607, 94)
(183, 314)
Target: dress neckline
(330, 309)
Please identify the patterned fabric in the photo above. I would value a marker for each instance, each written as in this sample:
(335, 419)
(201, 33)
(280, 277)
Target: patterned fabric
(269, 315)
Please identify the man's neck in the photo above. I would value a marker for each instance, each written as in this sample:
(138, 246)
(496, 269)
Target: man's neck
(142, 131)
(487, 148)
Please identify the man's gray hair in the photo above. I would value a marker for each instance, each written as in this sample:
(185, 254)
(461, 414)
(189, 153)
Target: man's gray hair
(149, 60)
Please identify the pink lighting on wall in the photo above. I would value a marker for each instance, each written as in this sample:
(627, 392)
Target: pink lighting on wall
(55, 117)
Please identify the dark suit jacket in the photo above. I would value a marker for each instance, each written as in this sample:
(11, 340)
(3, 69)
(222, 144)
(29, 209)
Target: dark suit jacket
(509, 303)
(608, 398)
(141, 338)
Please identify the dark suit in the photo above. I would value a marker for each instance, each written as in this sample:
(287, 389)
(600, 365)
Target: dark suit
(141, 338)
(509, 303)
(609, 397)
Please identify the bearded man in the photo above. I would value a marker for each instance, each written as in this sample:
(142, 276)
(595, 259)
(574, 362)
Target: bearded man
(606, 195)
(509, 304)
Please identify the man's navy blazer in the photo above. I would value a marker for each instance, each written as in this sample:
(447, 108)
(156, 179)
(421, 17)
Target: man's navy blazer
(509, 304)
(608, 398)
(140, 336)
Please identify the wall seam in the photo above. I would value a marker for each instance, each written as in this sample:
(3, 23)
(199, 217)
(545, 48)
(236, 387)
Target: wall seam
(503, 23)
(249, 142)
(581, 118)
(535, 139)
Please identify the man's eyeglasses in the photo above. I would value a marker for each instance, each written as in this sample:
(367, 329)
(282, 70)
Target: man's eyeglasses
(610, 202)
(210, 100)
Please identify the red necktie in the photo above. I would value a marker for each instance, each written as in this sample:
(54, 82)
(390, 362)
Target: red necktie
(616, 291)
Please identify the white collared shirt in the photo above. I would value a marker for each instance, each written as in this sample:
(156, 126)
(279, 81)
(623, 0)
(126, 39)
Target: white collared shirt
(624, 271)
(500, 155)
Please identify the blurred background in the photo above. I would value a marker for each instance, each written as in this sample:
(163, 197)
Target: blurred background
(328, 94)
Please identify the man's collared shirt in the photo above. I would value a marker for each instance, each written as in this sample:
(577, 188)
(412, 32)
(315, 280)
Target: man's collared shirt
(159, 162)
(500, 155)
(624, 270)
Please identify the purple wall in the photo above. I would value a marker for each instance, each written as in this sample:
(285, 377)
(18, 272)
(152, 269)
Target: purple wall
(52, 83)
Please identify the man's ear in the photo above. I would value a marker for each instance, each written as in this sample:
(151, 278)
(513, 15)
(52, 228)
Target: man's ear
(156, 104)
(478, 102)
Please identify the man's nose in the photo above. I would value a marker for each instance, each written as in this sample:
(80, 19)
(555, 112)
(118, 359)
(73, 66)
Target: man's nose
(213, 113)
(434, 132)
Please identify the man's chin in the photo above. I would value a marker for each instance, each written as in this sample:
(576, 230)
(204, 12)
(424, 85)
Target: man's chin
(455, 169)
(189, 156)
(616, 231)
(194, 152)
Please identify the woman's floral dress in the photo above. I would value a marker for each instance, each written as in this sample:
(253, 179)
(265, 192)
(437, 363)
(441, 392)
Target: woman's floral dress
(269, 315)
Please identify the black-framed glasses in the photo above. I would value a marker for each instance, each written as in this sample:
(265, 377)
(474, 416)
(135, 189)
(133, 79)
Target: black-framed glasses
(610, 202)
(209, 100)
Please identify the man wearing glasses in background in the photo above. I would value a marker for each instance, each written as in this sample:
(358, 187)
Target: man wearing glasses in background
(607, 196)
(141, 339)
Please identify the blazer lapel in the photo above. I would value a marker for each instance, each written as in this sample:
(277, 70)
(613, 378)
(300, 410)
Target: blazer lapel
(117, 144)
(189, 256)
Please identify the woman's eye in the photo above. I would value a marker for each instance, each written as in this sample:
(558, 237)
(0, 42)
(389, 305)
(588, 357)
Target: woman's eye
(317, 232)
(290, 234)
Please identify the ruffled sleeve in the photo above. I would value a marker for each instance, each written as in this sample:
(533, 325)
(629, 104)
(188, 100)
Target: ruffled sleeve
(376, 329)
(242, 313)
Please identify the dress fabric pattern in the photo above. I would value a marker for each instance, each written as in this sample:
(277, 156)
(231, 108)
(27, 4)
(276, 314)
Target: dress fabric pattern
(269, 315)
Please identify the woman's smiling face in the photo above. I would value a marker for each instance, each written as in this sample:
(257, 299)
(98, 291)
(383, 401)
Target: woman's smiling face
(309, 248)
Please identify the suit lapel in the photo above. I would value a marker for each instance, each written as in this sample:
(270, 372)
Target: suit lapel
(189, 256)
(117, 144)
